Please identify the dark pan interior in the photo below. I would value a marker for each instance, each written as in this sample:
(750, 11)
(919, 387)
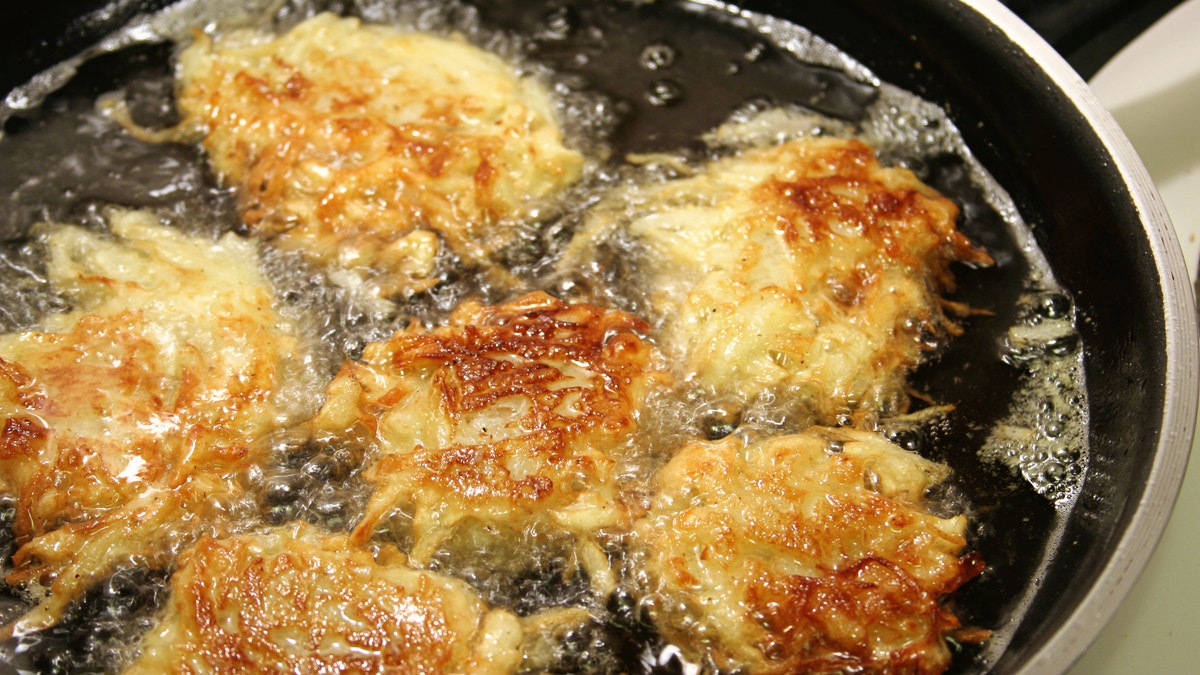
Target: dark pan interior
(1025, 131)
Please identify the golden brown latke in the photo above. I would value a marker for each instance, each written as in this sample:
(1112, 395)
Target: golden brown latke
(361, 145)
(806, 272)
(296, 600)
(812, 552)
(125, 420)
(510, 413)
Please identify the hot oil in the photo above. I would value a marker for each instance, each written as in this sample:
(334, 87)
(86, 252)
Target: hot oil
(627, 78)
(1044, 436)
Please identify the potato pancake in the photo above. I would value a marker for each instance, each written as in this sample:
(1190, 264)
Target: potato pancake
(297, 600)
(511, 413)
(812, 552)
(365, 146)
(804, 272)
(126, 419)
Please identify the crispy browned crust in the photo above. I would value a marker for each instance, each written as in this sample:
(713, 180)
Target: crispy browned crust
(804, 553)
(827, 190)
(354, 143)
(295, 600)
(122, 425)
(806, 272)
(510, 412)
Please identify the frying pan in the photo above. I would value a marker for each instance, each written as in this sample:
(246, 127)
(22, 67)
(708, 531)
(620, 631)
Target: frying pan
(1029, 118)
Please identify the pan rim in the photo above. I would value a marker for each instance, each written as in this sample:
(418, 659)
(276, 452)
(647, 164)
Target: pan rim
(1144, 529)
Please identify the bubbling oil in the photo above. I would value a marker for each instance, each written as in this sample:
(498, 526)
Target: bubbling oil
(69, 162)
(1042, 436)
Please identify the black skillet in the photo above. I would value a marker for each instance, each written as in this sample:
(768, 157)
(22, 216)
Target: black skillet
(1055, 577)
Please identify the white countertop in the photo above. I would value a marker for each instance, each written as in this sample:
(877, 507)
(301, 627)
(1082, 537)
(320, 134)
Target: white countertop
(1153, 90)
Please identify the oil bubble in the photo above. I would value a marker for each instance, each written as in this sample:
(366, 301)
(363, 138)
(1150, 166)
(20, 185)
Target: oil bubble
(719, 422)
(664, 93)
(1053, 472)
(911, 439)
(1063, 344)
(1054, 305)
(657, 56)
(755, 52)
(557, 25)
